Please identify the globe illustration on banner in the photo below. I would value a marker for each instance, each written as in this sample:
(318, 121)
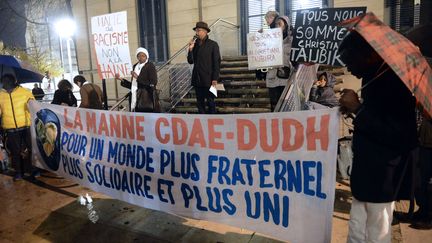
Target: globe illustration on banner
(47, 126)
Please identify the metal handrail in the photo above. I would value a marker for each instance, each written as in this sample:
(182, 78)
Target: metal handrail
(187, 44)
(179, 52)
(118, 103)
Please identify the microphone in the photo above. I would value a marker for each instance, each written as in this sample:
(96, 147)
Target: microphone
(195, 37)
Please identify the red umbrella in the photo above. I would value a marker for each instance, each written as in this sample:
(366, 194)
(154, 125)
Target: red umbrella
(403, 57)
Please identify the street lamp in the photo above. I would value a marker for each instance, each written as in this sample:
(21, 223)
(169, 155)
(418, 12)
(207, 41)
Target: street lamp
(65, 28)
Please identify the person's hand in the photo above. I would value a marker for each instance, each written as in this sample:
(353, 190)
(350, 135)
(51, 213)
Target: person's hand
(134, 75)
(319, 83)
(349, 101)
(117, 76)
(214, 82)
(192, 44)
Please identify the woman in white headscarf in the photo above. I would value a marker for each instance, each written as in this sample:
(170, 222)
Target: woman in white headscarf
(143, 84)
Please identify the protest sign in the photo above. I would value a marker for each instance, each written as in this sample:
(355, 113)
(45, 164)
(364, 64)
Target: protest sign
(317, 36)
(111, 43)
(265, 49)
(274, 174)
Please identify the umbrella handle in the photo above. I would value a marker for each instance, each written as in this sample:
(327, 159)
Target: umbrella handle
(376, 77)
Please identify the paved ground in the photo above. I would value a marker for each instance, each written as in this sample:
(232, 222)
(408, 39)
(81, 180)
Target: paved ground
(47, 211)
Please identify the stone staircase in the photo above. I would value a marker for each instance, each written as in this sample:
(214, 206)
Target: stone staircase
(243, 92)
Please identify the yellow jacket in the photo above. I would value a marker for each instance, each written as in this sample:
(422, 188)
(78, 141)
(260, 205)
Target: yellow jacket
(13, 108)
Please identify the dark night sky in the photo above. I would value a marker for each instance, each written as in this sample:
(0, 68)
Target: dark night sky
(12, 27)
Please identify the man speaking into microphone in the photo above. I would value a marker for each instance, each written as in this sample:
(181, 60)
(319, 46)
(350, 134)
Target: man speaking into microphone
(204, 54)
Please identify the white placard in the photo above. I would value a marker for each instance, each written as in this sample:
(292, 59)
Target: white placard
(265, 49)
(111, 43)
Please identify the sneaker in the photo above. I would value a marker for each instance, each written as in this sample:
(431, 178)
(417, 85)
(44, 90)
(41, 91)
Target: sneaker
(18, 177)
(36, 174)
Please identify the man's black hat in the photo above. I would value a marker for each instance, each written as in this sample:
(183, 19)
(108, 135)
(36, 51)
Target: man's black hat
(202, 25)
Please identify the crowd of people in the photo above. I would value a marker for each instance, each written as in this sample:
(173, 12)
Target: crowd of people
(385, 137)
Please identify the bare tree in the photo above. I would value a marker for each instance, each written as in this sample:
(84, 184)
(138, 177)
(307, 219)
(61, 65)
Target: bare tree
(40, 58)
(37, 11)
(41, 45)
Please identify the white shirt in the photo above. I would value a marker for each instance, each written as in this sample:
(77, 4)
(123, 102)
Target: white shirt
(134, 85)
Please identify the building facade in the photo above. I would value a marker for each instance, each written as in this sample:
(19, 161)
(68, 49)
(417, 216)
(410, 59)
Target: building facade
(165, 26)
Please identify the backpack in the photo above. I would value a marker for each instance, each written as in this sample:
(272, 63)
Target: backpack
(94, 100)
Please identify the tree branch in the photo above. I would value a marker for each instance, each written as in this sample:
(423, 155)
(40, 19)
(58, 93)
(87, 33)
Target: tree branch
(24, 17)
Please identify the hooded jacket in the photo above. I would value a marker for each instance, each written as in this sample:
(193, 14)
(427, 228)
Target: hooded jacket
(272, 80)
(325, 95)
(13, 108)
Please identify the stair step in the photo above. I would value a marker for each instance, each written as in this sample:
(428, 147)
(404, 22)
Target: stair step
(240, 91)
(236, 84)
(234, 58)
(240, 110)
(224, 110)
(233, 100)
(227, 70)
(234, 64)
(242, 76)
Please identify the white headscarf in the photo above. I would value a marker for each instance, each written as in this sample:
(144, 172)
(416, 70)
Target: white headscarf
(137, 70)
(143, 50)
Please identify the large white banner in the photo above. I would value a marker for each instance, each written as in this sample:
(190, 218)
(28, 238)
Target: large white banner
(265, 49)
(111, 43)
(273, 173)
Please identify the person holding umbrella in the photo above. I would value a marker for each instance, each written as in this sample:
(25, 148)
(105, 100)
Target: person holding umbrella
(384, 138)
(15, 121)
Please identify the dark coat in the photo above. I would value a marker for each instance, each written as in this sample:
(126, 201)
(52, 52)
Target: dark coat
(147, 76)
(425, 133)
(38, 93)
(64, 96)
(384, 135)
(147, 79)
(206, 59)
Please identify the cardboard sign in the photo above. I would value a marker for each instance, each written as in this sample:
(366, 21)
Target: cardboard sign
(317, 36)
(274, 174)
(111, 42)
(265, 49)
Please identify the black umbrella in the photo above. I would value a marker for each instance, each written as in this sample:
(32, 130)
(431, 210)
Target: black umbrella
(22, 71)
